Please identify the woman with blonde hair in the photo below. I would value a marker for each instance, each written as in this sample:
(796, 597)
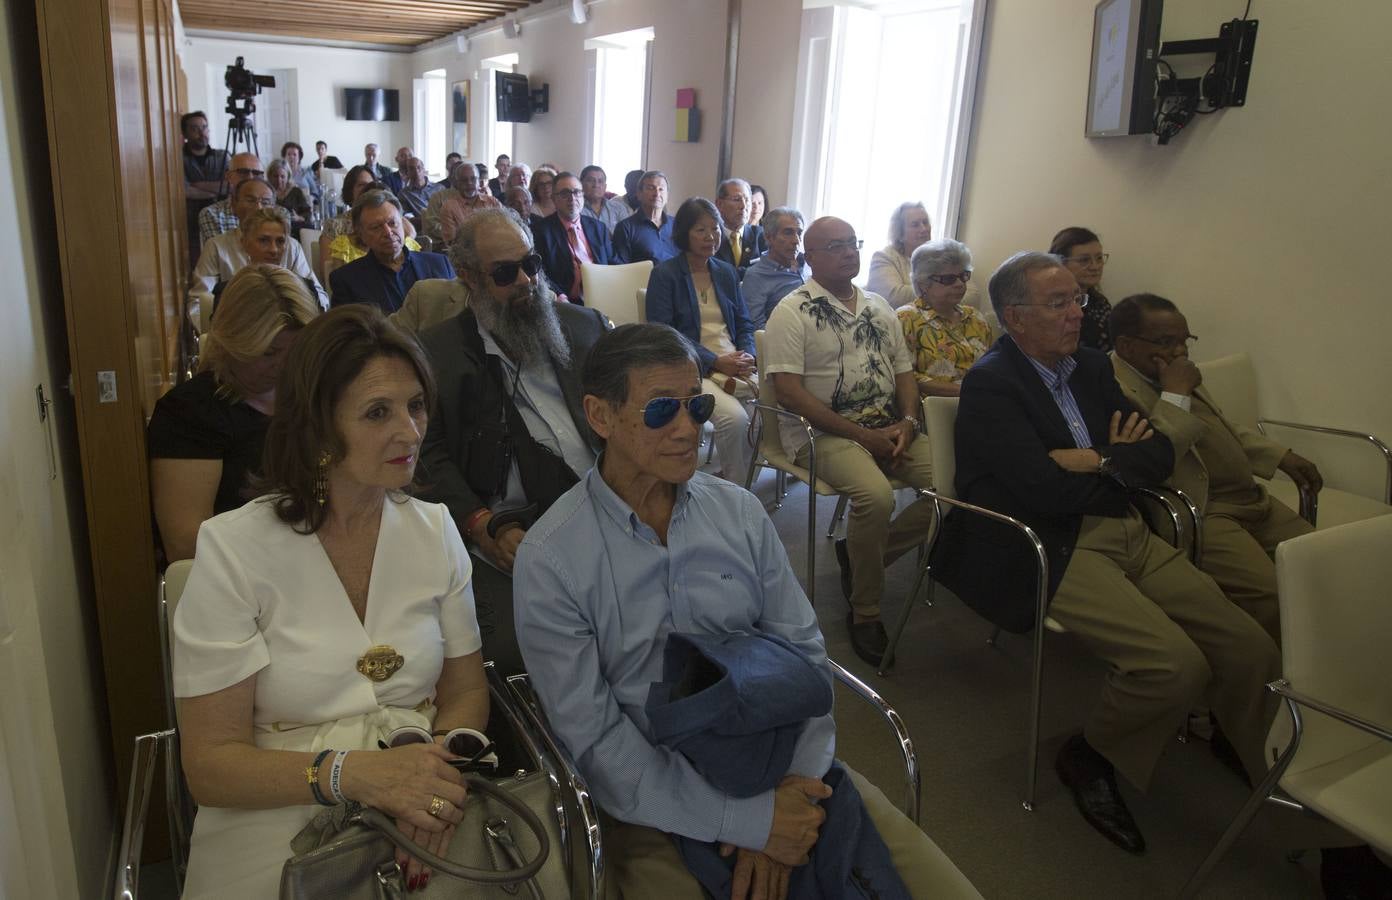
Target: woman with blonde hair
(543, 181)
(890, 276)
(206, 434)
(289, 197)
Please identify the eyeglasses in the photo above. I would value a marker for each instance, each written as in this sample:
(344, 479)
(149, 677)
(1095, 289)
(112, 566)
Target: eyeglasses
(841, 246)
(250, 173)
(505, 273)
(1098, 259)
(1061, 303)
(661, 410)
(574, 192)
(949, 280)
(1169, 343)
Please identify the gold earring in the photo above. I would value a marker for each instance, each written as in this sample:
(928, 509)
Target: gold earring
(321, 478)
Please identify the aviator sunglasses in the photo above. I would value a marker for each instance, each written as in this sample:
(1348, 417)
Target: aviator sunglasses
(505, 273)
(661, 410)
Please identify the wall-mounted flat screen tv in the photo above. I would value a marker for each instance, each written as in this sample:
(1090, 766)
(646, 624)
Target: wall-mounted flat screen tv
(372, 104)
(1121, 90)
(514, 99)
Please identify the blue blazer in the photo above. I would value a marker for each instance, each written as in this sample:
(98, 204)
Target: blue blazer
(753, 244)
(672, 301)
(554, 249)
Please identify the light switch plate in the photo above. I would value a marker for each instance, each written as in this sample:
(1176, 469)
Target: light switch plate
(106, 386)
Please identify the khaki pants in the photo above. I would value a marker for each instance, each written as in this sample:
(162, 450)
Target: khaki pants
(1170, 637)
(1237, 553)
(731, 423)
(644, 863)
(873, 542)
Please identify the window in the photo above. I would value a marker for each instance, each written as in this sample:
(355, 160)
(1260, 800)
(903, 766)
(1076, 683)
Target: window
(619, 101)
(884, 107)
(431, 140)
(500, 134)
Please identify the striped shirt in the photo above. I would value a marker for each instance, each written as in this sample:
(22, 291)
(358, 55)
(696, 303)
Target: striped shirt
(1056, 380)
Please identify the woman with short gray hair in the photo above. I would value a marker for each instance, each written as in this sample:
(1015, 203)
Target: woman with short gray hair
(945, 335)
(889, 277)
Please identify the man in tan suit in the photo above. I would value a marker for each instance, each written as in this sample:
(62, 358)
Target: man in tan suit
(1216, 460)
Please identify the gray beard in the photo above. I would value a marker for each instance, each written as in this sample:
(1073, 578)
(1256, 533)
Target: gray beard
(529, 331)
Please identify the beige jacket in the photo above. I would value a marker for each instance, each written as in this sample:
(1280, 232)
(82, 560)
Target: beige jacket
(1184, 430)
(431, 301)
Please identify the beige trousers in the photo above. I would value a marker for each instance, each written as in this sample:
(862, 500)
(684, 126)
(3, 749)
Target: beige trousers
(1171, 637)
(1237, 553)
(644, 863)
(873, 542)
(731, 423)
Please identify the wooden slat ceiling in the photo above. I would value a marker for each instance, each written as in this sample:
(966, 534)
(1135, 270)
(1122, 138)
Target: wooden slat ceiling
(403, 23)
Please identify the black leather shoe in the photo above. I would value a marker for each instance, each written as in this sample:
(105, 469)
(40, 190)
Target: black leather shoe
(1093, 781)
(1354, 873)
(843, 557)
(1226, 753)
(868, 639)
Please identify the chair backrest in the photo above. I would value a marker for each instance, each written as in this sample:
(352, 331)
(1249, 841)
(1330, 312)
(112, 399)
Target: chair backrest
(1232, 382)
(940, 418)
(171, 589)
(770, 443)
(642, 304)
(309, 239)
(610, 289)
(1336, 614)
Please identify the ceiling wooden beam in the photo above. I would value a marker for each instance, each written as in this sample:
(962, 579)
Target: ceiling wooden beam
(398, 23)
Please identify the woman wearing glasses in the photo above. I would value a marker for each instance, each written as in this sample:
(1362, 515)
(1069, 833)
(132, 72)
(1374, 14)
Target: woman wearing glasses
(1081, 250)
(699, 296)
(945, 335)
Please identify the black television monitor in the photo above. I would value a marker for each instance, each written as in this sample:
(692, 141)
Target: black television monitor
(372, 104)
(514, 99)
(1121, 89)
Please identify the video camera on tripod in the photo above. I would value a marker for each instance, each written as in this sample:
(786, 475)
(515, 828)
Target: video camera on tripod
(242, 87)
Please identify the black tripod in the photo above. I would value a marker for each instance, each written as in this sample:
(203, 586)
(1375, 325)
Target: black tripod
(241, 131)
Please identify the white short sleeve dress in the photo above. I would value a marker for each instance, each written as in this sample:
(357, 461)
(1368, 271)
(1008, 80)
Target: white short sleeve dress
(264, 600)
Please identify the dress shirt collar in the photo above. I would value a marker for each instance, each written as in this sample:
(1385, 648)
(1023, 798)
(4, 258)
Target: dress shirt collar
(1139, 374)
(816, 289)
(931, 314)
(776, 265)
(1056, 378)
(578, 226)
(620, 512)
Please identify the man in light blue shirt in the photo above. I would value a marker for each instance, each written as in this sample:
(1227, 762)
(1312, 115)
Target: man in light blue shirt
(645, 546)
(781, 270)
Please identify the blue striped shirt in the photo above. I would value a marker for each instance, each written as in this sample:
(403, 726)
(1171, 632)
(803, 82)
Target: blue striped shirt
(596, 595)
(1056, 380)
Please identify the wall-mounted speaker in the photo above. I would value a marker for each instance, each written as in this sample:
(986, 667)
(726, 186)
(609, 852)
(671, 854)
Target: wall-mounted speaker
(511, 28)
(461, 43)
(578, 14)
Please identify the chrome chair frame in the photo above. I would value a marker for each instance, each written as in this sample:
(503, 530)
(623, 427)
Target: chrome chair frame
(1266, 790)
(1309, 501)
(913, 788)
(142, 782)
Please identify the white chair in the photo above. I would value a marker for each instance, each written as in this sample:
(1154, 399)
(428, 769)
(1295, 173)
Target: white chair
(610, 289)
(1336, 616)
(309, 242)
(642, 304)
(1232, 382)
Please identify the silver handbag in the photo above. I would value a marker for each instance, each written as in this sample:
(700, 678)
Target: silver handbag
(507, 846)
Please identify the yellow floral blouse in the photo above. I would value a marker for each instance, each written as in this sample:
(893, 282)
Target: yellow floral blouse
(943, 352)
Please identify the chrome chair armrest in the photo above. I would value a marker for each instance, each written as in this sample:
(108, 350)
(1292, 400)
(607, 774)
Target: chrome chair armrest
(913, 788)
(1179, 506)
(527, 702)
(1341, 432)
(142, 782)
(1283, 688)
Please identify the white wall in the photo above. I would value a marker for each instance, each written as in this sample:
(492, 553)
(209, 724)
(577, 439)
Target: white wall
(321, 74)
(688, 51)
(1267, 224)
(765, 93)
(56, 809)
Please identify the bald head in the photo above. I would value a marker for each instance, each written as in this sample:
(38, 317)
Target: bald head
(241, 167)
(403, 154)
(832, 251)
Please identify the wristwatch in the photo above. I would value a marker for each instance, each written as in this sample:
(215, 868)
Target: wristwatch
(1105, 466)
(912, 421)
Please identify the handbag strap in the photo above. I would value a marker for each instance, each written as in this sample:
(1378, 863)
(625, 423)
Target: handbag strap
(384, 823)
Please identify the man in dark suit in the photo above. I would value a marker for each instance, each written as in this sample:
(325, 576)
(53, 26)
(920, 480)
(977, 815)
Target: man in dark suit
(509, 434)
(565, 239)
(390, 268)
(741, 243)
(1045, 434)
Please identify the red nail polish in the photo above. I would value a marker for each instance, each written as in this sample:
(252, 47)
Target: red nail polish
(411, 882)
(425, 881)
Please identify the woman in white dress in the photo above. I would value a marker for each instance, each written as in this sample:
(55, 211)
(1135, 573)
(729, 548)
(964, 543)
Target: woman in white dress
(890, 277)
(325, 615)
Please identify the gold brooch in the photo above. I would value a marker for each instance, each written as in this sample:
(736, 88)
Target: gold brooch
(380, 662)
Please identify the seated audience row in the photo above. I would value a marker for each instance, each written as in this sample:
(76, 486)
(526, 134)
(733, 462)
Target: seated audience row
(339, 243)
(389, 268)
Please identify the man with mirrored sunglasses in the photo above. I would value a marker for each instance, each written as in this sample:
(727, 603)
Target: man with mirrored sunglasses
(1216, 458)
(646, 548)
(509, 435)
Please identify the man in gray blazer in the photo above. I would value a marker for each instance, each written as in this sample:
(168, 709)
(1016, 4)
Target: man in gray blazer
(509, 434)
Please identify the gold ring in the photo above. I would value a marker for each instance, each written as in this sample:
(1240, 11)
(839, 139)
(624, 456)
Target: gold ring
(437, 804)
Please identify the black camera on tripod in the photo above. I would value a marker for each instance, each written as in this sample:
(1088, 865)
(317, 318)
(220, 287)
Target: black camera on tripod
(242, 83)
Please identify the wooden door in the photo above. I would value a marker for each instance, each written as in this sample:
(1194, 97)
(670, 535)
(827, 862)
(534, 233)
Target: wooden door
(110, 89)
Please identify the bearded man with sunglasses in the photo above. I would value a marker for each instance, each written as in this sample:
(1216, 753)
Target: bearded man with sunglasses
(646, 549)
(509, 435)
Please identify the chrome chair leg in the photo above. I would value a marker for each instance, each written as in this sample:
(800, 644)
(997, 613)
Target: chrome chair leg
(837, 516)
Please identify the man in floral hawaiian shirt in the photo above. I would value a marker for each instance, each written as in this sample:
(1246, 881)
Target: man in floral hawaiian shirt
(837, 357)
